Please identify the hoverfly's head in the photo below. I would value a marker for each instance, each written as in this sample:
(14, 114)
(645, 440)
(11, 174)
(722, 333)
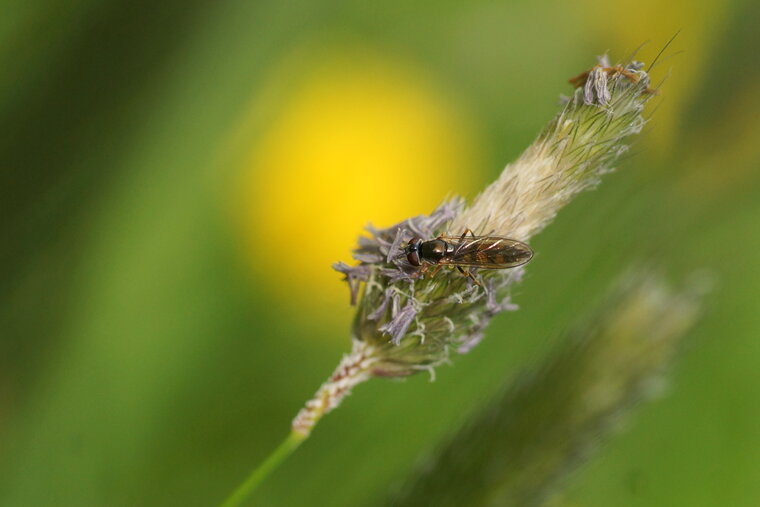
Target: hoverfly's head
(412, 251)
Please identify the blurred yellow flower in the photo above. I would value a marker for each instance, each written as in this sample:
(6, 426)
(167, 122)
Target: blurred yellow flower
(359, 138)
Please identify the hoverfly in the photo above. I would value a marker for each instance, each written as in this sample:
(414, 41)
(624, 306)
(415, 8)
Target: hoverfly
(486, 252)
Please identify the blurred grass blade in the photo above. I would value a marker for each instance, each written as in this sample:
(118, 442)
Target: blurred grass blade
(545, 424)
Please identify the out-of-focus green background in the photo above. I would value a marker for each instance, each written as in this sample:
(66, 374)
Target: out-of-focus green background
(176, 177)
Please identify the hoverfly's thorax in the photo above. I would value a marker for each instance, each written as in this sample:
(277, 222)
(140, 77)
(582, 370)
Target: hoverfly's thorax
(434, 251)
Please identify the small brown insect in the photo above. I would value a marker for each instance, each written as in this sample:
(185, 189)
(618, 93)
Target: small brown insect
(485, 252)
(580, 79)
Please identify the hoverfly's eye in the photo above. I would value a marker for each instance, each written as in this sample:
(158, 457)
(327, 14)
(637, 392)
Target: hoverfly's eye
(413, 257)
(412, 251)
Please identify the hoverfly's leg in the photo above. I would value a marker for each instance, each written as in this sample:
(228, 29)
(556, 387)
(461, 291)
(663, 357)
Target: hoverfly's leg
(464, 234)
(436, 269)
(470, 276)
(423, 271)
(461, 239)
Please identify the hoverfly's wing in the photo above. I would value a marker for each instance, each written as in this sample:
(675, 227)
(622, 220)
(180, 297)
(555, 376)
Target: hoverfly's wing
(488, 252)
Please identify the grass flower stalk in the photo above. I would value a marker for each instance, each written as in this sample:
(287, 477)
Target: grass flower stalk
(406, 321)
(284, 450)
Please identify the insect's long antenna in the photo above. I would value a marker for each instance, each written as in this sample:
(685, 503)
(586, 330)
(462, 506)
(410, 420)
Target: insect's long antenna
(665, 59)
(651, 65)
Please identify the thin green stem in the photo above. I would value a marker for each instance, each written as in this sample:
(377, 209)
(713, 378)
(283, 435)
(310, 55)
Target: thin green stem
(259, 473)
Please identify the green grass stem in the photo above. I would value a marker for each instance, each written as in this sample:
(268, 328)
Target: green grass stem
(259, 473)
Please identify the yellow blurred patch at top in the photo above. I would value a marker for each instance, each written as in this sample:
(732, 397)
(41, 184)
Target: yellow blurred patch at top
(357, 139)
(630, 23)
